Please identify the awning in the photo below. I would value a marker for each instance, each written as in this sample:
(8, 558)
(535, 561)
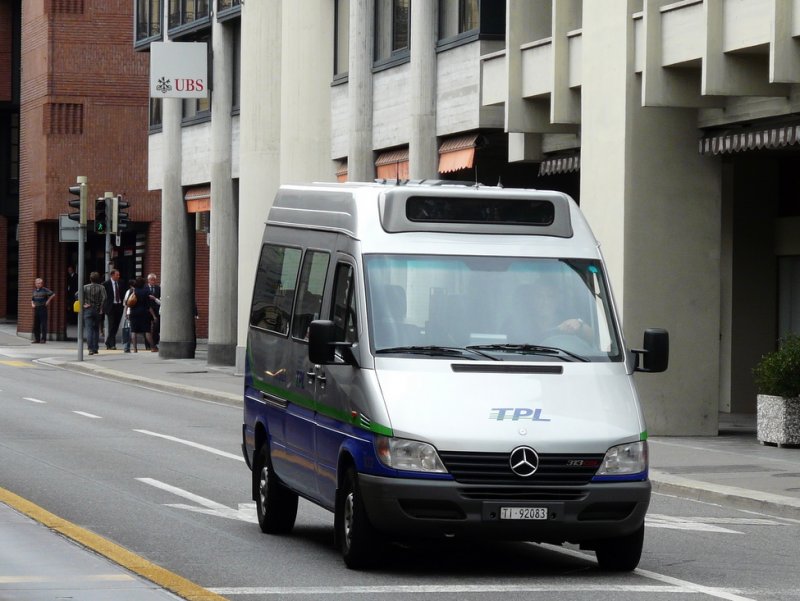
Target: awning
(750, 139)
(392, 164)
(564, 164)
(198, 199)
(458, 153)
(341, 171)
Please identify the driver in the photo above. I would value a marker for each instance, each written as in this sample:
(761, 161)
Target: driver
(540, 313)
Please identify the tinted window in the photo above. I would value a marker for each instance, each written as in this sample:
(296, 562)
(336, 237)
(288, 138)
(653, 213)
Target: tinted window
(309, 292)
(274, 288)
(506, 211)
(343, 311)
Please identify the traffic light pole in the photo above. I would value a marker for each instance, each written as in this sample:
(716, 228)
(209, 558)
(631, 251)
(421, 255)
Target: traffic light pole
(108, 197)
(83, 181)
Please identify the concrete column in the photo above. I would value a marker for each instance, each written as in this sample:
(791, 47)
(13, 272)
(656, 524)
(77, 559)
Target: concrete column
(222, 286)
(360, 164)
(259, 145)
(306, 59)
(177, 246)
(654, 204)
(423, 152)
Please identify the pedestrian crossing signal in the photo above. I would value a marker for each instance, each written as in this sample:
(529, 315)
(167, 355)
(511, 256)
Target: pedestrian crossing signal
(100, 216)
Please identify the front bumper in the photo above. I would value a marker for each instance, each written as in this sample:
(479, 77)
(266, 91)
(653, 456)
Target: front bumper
(437, 508)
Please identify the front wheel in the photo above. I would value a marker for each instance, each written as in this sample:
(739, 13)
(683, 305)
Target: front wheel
(621, 554)
(355, 536)
(276, 505)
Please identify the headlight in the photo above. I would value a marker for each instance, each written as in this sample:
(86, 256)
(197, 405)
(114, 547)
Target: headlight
(409, 455)
(625, 459)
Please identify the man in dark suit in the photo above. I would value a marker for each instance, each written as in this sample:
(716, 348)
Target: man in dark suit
(154, 293)
(113, 307)
(71, 297)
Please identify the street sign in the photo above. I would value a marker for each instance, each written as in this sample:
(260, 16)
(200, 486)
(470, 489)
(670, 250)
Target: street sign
(68, 229)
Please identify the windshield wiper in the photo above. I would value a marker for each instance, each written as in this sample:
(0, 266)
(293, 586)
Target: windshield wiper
(433, 350)
(533, 349)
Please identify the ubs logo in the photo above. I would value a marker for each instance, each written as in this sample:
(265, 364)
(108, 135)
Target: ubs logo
(523, 461)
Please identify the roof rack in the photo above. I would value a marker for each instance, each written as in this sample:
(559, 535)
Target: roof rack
(428, 182)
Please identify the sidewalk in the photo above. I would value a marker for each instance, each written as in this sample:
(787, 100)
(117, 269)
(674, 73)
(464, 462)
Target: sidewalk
(732, 468)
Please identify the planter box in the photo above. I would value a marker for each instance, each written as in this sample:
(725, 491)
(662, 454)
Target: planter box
(778, 420)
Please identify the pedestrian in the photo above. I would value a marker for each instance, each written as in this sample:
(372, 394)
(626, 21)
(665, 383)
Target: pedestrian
(94, 297)
(141, 314)
(41, 298)
(113, 307)
(72, 295)
(154, 292)
(126, 321)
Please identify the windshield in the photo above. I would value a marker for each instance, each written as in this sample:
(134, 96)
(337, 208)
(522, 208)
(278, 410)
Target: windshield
(505, 308)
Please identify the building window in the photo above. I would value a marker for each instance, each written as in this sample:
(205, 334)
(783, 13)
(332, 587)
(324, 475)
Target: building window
(13, 174)
(392, 29)
(341, 50)
(197, 109)
(184, 12)
(237, 67)
(457, 17)
(155, 113)
(148, 19)
(228, 9)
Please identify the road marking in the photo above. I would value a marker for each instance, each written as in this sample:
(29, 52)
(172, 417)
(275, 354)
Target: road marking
(246, 512)
(91, 415)
(704, 524)
(685, 585)
(196, 445)
(12, 363)
(32, 400)
(447, 588)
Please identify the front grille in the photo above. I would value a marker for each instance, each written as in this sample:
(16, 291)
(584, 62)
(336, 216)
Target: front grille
(522, 494)
(494, 468)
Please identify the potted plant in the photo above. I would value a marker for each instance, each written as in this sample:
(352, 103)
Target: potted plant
(777, 377)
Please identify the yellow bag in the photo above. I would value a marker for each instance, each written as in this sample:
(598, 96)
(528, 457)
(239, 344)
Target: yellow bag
(76, 306)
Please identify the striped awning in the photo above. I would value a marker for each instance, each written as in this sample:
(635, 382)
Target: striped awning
(728, 142)
(563, 164)
(392, 164)
(458, 153)
(341, 171)
(198, 199)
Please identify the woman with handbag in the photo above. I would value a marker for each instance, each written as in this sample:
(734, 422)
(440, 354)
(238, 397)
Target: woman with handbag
(126, 322)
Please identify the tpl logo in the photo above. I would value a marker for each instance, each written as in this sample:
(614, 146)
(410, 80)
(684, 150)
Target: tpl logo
(516, 414)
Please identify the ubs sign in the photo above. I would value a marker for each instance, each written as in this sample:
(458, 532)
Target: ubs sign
(178, 70)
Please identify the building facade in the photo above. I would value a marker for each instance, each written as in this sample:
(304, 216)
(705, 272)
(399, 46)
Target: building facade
(672, 123)
(76, 106)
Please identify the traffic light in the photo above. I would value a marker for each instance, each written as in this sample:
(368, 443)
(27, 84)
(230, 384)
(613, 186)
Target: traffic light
(100, 216)
(79, 191)
(119, 217)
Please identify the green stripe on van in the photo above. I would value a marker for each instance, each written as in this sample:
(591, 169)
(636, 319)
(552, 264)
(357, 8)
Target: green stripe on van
(643, 435)
(308, 403)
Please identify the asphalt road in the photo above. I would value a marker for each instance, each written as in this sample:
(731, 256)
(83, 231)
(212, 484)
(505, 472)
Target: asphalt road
(162, 475)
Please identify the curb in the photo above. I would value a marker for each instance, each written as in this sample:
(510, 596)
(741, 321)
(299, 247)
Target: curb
(742, 498)
(180, 389)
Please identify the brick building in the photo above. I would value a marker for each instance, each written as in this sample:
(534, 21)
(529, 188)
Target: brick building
(81, 108)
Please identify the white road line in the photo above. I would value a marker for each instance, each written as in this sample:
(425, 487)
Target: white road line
(445, 589)
(196, 445)
(685, 585)
(246, 512)
(32, 400)
(91, 415)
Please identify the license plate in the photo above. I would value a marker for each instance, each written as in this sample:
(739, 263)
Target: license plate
(523, 513)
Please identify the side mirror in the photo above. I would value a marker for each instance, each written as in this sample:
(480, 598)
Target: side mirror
(321, 345)
(655, 354)
(320, 337)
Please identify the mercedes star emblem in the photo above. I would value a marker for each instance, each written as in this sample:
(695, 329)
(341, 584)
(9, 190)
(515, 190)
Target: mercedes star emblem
(523, 461)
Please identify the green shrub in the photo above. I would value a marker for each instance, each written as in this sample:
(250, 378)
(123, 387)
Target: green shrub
(778, 372)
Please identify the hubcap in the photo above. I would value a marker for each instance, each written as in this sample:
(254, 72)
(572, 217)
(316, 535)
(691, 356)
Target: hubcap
(348, 519)
(262, 491)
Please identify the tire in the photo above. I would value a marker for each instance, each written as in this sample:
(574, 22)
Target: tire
(355, 536)
(276, 505)
(621, 554)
